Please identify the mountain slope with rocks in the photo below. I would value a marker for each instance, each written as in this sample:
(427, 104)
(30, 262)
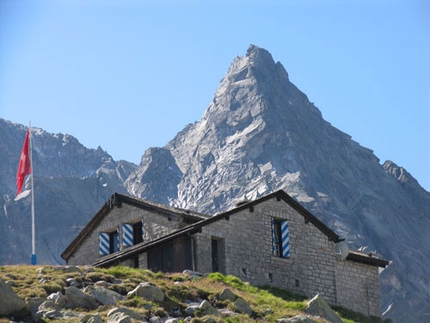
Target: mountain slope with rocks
(259, 134)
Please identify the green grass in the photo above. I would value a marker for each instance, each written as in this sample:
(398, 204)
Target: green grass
(268, 303)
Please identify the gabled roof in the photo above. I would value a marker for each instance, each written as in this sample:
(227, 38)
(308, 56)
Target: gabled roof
(196, 227)
(116, 200)
(197, 222)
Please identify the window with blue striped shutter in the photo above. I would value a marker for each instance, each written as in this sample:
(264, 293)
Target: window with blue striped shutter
(280, 238)
(104, 243)
(127, 235)
(285, 239)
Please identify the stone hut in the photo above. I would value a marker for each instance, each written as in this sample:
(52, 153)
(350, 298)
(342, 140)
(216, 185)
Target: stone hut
(273, 240)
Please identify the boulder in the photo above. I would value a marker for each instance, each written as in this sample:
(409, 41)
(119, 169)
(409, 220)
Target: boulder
(242, 306)
(10, 302)
(318, 306)
(92, 318)
(297, 319)
(58, 298)
(103, 283)
(53, 314)
(119, 317)
(76, 298)
(208, 309)
(189, 272)
(191, 308)
(49, 304)
(103, 295)
(226, 312)
(126, 312)
(68, 316)
(155, 319)
(34, 303)
(148, 292)
(227, 294)
(72, 282)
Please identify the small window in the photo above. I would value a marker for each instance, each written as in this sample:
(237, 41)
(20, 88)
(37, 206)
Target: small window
(113, 241)
(131, 234)
(138, 232)
(108, 242)
(280, 238)
(104, 243)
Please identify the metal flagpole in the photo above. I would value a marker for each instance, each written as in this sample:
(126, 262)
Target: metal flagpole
(33, 227)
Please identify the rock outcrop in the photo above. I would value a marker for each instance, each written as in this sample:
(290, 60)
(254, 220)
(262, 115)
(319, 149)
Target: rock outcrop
(10, 302)
(318, 306)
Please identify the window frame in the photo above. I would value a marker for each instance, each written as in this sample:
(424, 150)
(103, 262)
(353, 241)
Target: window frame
(278, 243)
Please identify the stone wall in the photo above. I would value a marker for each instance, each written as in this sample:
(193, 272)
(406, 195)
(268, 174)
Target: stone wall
(358, 287)
(155, 225)
(247, 240)
(244, 243)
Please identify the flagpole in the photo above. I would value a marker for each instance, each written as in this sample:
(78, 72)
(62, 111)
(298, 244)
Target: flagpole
(33, 226)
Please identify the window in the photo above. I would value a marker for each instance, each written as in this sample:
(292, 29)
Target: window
(108, 242)
(218, 255)
(114, 241)
(138, 232)
(132, 234)
(280, 238)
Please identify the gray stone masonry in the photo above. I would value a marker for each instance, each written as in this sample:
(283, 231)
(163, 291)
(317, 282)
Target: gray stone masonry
(247, 238)
(311, 269)
(155, 226)
(244, 243)
(358, 287)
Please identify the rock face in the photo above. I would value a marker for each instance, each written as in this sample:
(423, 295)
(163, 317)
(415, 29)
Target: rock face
(259, 134)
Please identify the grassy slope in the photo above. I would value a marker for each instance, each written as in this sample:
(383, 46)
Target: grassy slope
(268, 303)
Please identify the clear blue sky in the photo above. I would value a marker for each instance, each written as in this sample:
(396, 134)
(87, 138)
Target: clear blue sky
(128, 75)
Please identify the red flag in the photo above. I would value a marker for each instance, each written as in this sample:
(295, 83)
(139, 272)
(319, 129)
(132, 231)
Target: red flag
(24, 167)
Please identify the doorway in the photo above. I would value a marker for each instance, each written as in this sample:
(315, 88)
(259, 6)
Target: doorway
(218, 255)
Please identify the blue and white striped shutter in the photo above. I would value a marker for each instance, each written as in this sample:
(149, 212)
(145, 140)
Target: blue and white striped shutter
(285, 239)
(127, 235)
(104, 248)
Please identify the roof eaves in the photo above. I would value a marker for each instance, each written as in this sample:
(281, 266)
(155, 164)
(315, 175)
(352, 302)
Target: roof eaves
(104, 210)
(369, 259)
(143, 246)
